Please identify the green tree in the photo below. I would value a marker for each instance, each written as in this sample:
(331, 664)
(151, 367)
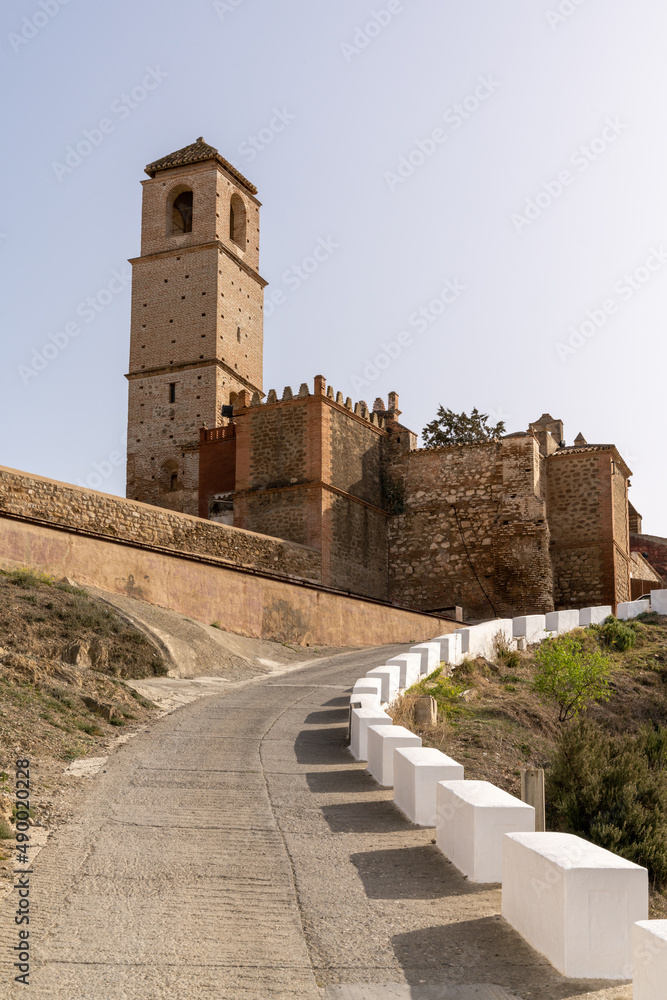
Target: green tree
(571, 675)
(611, 788)
(460, 428)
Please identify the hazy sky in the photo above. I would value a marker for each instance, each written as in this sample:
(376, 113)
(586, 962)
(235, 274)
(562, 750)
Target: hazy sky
(490, 177)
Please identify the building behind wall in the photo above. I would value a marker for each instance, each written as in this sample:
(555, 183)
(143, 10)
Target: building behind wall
(518, 525)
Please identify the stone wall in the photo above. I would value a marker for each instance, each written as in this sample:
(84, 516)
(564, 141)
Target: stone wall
(44, 500)
(473, 531)
(198, 568)
(587, 509)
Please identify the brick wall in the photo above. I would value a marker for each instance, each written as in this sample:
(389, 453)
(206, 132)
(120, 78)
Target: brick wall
(473, 531)
(196, 323)
(309, 469)
(654, 550)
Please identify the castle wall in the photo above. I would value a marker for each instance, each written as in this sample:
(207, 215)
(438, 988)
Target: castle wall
(198, 568)
(309, 469)
(473, 530)
(588, 519)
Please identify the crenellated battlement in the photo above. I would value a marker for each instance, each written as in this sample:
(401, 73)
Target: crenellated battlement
(381, 416)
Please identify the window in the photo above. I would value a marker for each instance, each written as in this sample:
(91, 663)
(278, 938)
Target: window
(173, 484)
(237, 221)
(238, 334)
(172, 392)
(181, 215)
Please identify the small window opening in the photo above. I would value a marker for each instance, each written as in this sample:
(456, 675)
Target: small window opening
(173, 482)
(238, 334)
(181, 216)
(172, 392)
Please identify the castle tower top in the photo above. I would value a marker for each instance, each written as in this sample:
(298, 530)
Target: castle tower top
(198, 152)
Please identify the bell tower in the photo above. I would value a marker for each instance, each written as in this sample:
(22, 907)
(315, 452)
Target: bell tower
(197, 318)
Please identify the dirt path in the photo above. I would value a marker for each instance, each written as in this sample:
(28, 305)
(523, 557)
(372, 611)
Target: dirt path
(236, 852)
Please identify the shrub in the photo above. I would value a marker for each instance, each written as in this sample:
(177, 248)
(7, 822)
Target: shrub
(612, 790)
(618, 635)
(571, 675)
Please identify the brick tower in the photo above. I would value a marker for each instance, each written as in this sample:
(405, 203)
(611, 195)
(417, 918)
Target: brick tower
(197, 310)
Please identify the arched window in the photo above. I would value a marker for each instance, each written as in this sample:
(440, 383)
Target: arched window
(237, 220)
(181, 215)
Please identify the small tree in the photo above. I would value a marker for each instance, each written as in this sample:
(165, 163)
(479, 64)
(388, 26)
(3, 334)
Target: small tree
(459, 428)
(571, 675)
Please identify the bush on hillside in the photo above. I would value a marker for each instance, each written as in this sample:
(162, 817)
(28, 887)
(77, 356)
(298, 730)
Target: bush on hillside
(612, 790)
(571, 675)
(618, 635)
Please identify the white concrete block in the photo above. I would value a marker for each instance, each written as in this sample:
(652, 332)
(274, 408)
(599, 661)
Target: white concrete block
(562, 621)
(430, 656)
(450, 648)
(471, 820)
(410, 667)
(368, 685)
(574, 902)
(417, 771)
(532, 628)
(360, 720)
(382, 741)
(649, 956)
(390, 677)
(366, 701)
(659, 601)
(478, 640)
(593, 616)
(630, 609)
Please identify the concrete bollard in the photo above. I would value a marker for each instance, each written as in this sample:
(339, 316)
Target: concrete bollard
(532, 628)
(593, 616)
(409, 665)
(659, 601)
(649, 956)
(417, 771)
(362, 718)
(471, 820)
(390, 677)
(562, 621)
(430, 656)
(382, 741)
(573, 902)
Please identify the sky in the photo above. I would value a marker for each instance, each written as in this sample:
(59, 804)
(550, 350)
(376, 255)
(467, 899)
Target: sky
(489, 178)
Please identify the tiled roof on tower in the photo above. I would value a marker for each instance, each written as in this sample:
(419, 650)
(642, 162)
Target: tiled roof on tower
(197, 153)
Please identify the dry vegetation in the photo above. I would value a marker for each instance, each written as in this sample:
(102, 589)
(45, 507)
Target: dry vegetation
(63, 659)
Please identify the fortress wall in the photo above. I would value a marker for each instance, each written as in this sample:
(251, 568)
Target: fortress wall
(169, 560)
(473, 530)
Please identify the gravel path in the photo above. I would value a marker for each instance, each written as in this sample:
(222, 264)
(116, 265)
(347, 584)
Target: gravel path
(235, 851)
